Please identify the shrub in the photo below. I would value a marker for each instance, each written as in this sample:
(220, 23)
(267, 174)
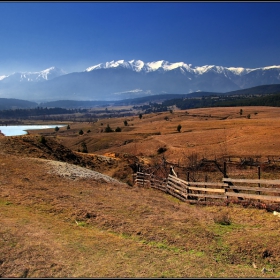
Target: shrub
(118, 129)
(108, 129)
(125, 123)
(68, 126)
(56, 128)
(42, 139)
(222, 219)
(81, 132)
(84, 147)
(179, 128)
(161, 150)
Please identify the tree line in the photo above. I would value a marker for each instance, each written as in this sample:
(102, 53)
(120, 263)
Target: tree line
(224, 101)
(39, 111)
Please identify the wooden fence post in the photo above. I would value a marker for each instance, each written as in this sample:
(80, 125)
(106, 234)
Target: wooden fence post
(205, 185)
(259, 176)
(225, 169)
(225, 176)
(188, 179)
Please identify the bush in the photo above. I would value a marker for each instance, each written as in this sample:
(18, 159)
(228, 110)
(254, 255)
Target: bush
(42, 139)
(118, 129)
(84, 147)
(56, 128)
(108, 129)
(179, 128)
(161, 150)
(222, 219)
(81, 132)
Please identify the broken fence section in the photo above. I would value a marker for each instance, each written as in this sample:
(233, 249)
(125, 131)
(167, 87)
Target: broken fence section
(258, 189)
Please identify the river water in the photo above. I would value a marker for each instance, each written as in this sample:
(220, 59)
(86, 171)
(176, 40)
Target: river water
(16, 130)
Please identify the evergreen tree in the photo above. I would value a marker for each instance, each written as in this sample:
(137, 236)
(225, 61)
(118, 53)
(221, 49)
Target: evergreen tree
(108, 129)
(179, 128)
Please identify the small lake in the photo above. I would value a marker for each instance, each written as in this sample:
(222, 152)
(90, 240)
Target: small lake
(16, 130)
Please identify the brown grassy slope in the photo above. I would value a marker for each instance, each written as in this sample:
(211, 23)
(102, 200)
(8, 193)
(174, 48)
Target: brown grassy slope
(31, 146)
(53, 226)
(56, 227)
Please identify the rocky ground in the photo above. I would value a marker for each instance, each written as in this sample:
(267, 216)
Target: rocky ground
(74, 172)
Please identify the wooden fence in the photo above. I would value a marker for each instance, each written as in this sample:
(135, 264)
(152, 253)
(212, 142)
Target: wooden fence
(260, 189)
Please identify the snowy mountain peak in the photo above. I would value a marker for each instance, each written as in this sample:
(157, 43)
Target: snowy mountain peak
(46, 74)
(139, 65)
(271, 67)
(49, 73)
(3, 77)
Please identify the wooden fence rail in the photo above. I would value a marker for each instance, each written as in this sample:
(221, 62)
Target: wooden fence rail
(229, 188)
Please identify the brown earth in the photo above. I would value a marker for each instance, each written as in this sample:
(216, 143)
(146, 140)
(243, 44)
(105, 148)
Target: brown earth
(58, 220)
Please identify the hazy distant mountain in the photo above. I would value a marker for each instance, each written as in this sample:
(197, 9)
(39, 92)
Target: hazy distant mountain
(269, 97)
(9, 103)
(117, 80)
(258, 90)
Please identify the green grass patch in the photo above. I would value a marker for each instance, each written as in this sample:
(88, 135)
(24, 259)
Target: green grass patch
(81, 223)
(196, 253)
(5, 202)
(8, 203)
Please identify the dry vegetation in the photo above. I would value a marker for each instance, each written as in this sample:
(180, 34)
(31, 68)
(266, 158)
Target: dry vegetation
(57, 225)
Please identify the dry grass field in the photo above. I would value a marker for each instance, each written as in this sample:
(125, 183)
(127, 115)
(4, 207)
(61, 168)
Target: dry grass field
(209, 132)
(70, 225)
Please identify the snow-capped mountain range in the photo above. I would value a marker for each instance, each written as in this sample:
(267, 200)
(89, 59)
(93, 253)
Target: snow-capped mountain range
(162, 65)
(121, 79)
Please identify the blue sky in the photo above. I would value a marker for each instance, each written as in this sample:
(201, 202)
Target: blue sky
(75, 35)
